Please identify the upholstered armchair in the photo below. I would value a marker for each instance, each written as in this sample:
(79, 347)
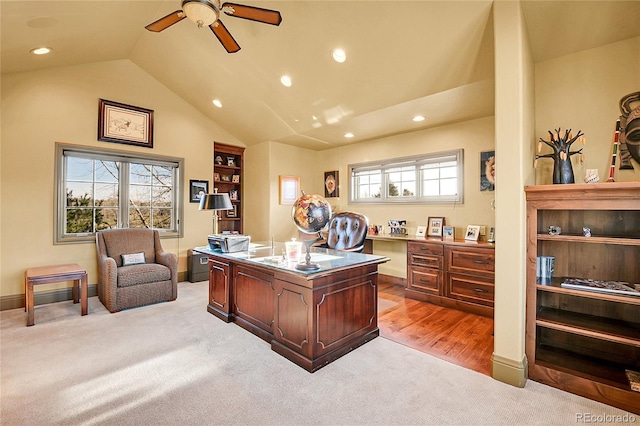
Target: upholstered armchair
(347, 232)
(133, 269)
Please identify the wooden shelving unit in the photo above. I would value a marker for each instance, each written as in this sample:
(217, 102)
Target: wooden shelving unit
(578, 340)
(228, 177)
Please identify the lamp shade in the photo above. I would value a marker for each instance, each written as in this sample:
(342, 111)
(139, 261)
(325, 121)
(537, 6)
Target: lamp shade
(202, 12)
(215, 202)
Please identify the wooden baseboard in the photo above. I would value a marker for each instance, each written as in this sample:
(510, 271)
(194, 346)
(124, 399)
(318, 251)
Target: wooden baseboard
(16, 301)
(508, 371)
(391, 280)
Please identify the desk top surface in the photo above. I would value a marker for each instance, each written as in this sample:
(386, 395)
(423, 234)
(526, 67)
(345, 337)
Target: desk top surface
(273, 256)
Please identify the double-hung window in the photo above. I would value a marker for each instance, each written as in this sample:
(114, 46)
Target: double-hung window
(431, 178)
(100, 189)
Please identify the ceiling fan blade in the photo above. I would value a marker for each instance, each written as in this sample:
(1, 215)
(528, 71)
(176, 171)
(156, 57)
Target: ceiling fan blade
(225, 37)
(166, 22)
(257, 14)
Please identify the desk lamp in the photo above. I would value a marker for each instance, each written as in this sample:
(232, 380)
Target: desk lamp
(215, 202)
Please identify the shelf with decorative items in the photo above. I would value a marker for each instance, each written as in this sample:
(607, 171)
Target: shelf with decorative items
(583, 317)
(228, 178)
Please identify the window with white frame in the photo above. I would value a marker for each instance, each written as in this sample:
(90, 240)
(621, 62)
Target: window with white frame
(102, 189)
(430, 178)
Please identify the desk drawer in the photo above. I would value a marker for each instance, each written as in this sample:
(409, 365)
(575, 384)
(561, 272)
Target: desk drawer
(421, 249)
(471, 260)
(425, 280)
(471, 289)
(425, 261)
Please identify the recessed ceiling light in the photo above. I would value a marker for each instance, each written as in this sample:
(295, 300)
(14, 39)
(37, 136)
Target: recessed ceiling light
(348, 135)
(41, 50)
(285, 80)
(217, 103)
(418, 118)
(339, 55)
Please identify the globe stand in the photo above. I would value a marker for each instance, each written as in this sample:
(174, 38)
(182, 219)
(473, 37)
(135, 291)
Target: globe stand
(308, 265)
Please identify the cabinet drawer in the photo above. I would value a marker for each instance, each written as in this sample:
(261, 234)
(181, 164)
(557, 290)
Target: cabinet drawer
(470, 260)
(471, 289)
(425, 280)
(425, 261)
(419, 248)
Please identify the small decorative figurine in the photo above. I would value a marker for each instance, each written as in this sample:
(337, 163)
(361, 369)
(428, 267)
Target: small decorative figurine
(554, 230)
(586, 231)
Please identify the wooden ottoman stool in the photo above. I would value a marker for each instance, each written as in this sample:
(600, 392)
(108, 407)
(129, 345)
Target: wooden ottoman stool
(54, 274)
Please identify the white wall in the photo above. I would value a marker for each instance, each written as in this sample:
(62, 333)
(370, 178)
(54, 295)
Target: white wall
(43, 107)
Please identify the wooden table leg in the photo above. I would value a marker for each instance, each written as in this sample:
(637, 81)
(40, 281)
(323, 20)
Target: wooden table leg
(30, 308)
(74, 291)
(84, 294)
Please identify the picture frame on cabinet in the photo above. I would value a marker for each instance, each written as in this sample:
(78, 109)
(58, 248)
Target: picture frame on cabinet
(421, 231)
(216, 177)
(231, 161)
(448, 233)
(235, 179)
(233, 195)
(473, 232)
(197, 188)
(434, 226)
(232, 214)
(225, 178)
(125, 124)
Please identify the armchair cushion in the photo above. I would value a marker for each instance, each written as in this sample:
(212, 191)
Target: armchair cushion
(142, 274)
(132, 259)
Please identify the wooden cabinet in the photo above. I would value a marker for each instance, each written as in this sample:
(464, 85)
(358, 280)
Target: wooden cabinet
(228, 177)
(452, 273)
(583, 340)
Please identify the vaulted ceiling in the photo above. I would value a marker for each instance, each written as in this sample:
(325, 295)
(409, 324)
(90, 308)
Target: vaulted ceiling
(433, 58)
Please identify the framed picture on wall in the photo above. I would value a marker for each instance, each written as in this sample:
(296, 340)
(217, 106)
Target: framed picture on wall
(289, 189)
(126, 124)
(331, 182)
(197, 188)
(488, 171)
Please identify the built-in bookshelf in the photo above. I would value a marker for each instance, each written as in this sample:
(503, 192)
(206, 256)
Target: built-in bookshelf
(582, 330)
(228, 177)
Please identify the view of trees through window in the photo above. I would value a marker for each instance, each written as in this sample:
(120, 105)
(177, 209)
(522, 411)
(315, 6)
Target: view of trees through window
(95, 188)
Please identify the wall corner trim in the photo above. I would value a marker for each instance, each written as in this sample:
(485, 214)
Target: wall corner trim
(509, 371)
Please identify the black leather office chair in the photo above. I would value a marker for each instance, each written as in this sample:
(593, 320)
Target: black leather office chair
(347, 232)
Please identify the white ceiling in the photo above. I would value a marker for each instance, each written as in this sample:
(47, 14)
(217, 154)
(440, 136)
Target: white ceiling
(404, 58)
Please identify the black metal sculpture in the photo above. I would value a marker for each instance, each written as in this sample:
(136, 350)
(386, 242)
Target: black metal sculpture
(561, 145)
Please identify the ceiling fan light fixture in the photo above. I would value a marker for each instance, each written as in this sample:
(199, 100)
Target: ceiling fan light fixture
(202, 12)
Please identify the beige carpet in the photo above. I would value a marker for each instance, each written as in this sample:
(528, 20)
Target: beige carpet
(175, 364)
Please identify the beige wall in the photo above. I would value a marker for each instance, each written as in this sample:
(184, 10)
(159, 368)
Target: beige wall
(61, 105)
(582, 91)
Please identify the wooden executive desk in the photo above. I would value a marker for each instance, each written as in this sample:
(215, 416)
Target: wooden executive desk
(310, 318)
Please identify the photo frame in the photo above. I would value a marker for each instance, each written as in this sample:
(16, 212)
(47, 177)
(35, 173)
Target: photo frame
(235, 179)
(449, 233)
(197, 188)
(231, 161)
(216, 177)
(421, 231)
(125, 124)
(473, 232)
(331, 184)
(488, 171)
(434, 226)
(233, 195)
(289, 189)
(232, 213)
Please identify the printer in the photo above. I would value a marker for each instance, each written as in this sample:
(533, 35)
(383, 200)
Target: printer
(229, 243)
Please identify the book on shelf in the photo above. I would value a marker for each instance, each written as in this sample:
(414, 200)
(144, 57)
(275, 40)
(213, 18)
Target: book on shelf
(634, 379)
(612, 287)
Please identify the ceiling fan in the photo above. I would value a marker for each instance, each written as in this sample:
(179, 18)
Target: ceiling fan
(207, 13)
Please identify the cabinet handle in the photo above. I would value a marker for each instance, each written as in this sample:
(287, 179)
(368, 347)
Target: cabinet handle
(481, 262)
(479, 290)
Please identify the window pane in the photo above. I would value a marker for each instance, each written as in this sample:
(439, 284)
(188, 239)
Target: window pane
(79, 169)
(448, 186)
(162, 176)
(79, 220)
(107, 171)
(106, 218)
(162, 218)
(79, 194)
(140, 195)
(139, 217)
(106, 194)
(430, 188)
(162, 197)
(140, 173)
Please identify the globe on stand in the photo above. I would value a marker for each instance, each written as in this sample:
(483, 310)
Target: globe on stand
(310, 213)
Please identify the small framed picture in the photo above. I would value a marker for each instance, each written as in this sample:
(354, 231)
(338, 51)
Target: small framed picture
(232, 213)
(231, 161)
(434, 226)
(233, 195)
(235, 179)
(421, 231)
(126, 124)
(473, 232)
(225, 178)
(448, 233)
(197, 188)
(216, 177)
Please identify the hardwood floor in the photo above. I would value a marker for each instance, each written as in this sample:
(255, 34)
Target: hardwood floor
(458, 337)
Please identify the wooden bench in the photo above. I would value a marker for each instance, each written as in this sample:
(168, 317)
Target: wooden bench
(54, 274)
